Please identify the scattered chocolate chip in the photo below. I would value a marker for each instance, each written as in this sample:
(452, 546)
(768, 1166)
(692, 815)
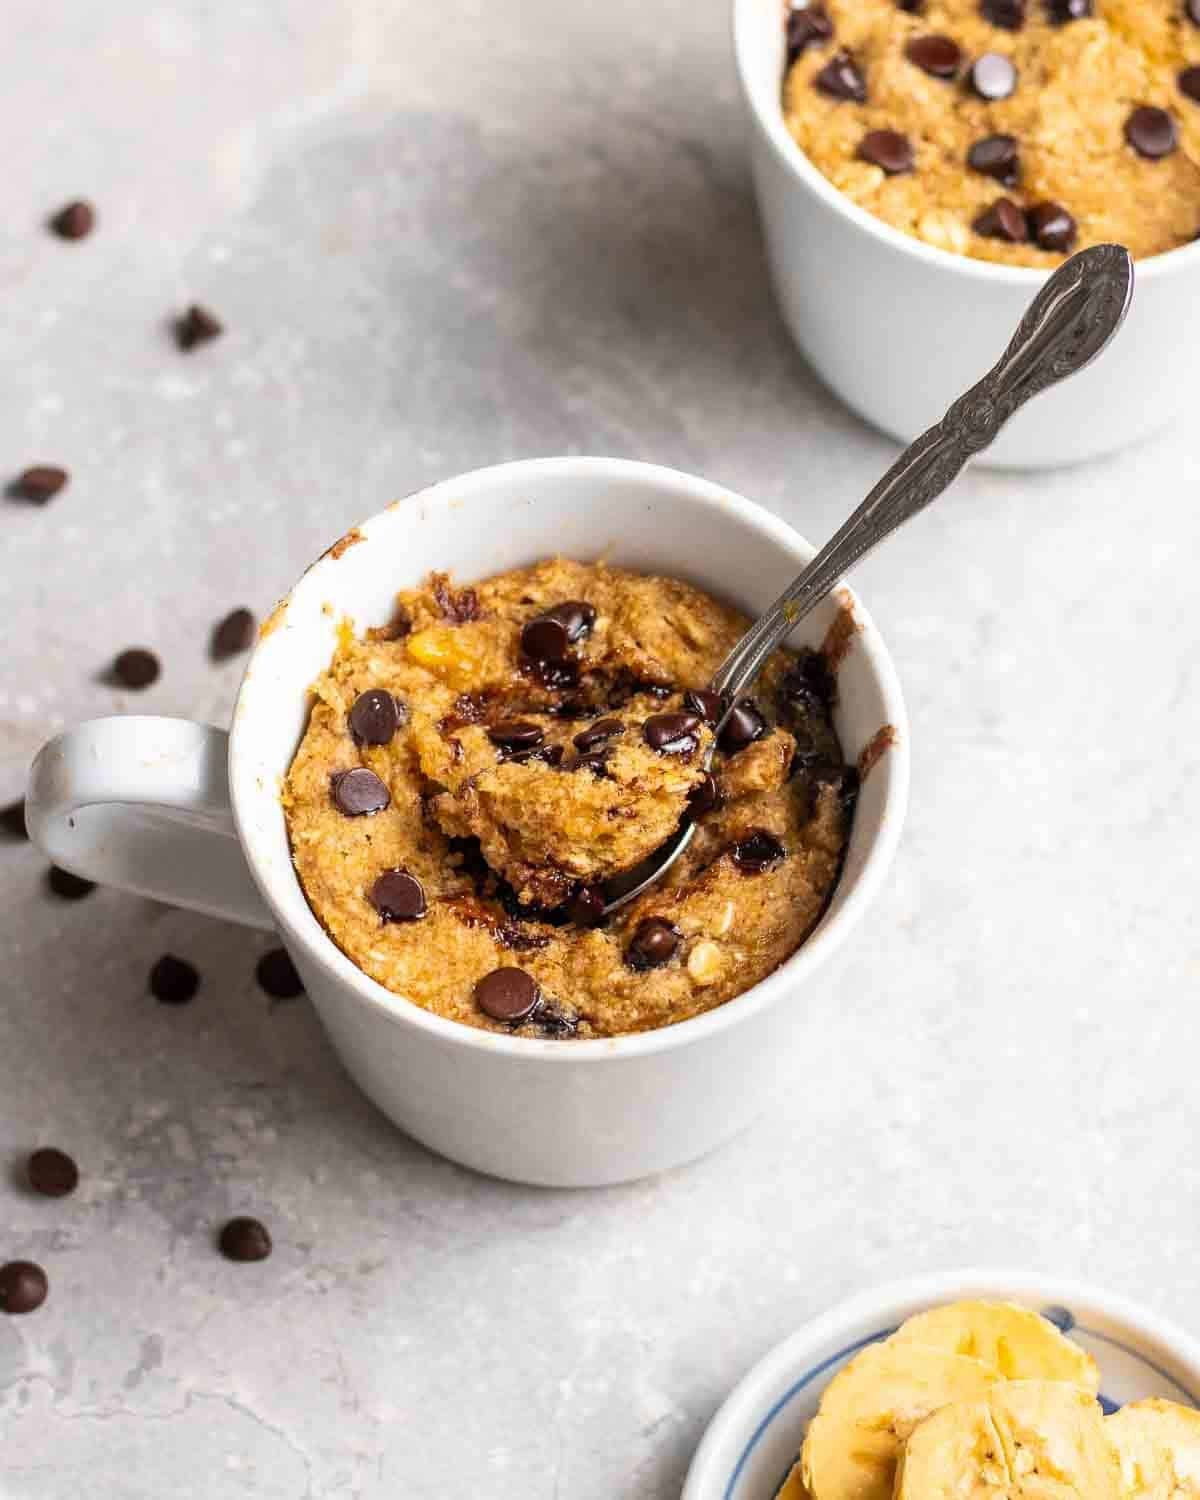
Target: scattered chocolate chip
(173, 981)
(136, 668)
(375, 717)
(457, 605)
(810, 680)
(359, 793)
(12, 821)
(507, 994)
(808, 26)
(672, 734)
(1051, 226)
(704, 797)
(39, 483)
(996, 156)
(744, 725)
(1005, 220)
(586, 906)
(553, 1021)
(708, 705)
(887, 149)
(596, 734)
(52, 1173)
(841, 78)
(596, 762)
(1059, 12)
(993, 76)
(233, 635)
(74, 221)
(398, 896)
(913, 7)
(276, 973)
(1151, 132)
(1189, 79)
(940, 56)
(550, 636)
(69, 887)
(652, 945)
(516, 734)
(23, 1287)
(554, 676)
(1009, 15)
(551, 754)
(244, 1239)
(758, 852)
(197, 326)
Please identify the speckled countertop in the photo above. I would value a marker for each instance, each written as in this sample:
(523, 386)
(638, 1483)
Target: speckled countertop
(442, 235)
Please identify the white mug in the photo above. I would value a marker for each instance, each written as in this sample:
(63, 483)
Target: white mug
(184, 813)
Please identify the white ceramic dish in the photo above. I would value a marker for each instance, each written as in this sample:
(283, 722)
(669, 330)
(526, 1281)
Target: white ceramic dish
(157, 806)
(898, 329)
(755, 1437)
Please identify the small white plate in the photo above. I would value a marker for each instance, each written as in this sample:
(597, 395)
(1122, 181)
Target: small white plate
(754, 1438)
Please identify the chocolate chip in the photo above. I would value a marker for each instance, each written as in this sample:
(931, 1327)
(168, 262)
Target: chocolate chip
(136, 668)
(744, 725)
(232, 635)
(173, 981)
(1051, 226)
(810, 680)
(69, 887)
(551, 755)
(672, 734)
(841, 78)
(808, 26)
(74, 221)
(197, 326)
(23, 1287)
(398, 896)
(704, 797)
(359, 793)
(549, 636)
(707, 704)
(596, 734)
(276, 973)
(39, 483)
(996, 156)
(596, 762)
(12, 821)
(1009, 15)
(1151, 132)
(1189, 79)
(913, 7)
(993, 76)
(52, 1173)
(940, 56)
(244, 1239)
(1059, 12)
(516, 734)
(586, 906)
(507, 994)
(758, 852)
(375, 717)
(554, 676)
(1005, 220)
(553, 1021)
(652, 944)
(887, 149)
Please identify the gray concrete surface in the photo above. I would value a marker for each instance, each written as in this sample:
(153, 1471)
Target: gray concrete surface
(443, 235)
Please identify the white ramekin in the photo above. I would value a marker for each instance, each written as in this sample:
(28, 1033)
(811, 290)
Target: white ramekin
(898, 329)
(146, 804)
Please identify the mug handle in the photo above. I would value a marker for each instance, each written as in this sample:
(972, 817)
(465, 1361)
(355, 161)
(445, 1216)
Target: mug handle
(143, 803)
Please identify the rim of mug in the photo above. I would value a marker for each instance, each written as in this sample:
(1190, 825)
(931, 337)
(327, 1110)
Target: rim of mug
(749, 18)
(813, 952)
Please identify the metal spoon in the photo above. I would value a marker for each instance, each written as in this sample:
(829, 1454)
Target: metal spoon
(1069, 322)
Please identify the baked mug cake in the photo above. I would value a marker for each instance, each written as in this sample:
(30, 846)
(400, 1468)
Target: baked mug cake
(474, 772)
(1009, 130)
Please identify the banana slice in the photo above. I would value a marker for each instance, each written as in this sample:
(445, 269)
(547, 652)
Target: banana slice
(793, 1486)
(871, 1406)
(1025, 1440)
(1019, 1343)
(1159, 1445)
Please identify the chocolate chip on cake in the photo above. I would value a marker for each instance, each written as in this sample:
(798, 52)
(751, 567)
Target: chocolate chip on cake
(23, 1287)
(1005, 220)
(993, 76)
(550, 636)
(707, 704)
(887, 149)
(672, 734)
(597, 733)
(652, 945)
(509, 995)
(232, 635)
(516, 734)
(197, 326)
(398, 896)
(996, 156)
(1051, 226)
(359, 793)
(39, 483)
(705, 797)
(1009, 15)
(808, 26)
(375, 717)
(244, 1239)
(136, 668)
(841, 78)
(69, 887)
(74, 221)
(758, 852)
(1059, 12)
(276, 974)
(939, 56)
(586, 906)
(1189, 80)
(173, 981)
(52, 1173)
(1151, 132)
(744, 725)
